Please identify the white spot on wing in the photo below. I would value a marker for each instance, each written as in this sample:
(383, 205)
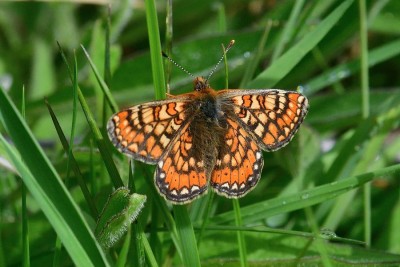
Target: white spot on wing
(234, 186)
(184, 191)
(225, 185)
(194, 188)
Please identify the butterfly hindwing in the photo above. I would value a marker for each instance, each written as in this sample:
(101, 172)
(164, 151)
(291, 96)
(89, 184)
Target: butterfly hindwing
(239, 164)
(272, 116)
(179, 177)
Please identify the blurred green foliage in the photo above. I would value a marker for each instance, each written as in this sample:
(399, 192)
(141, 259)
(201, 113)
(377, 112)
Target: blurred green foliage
(333, 144)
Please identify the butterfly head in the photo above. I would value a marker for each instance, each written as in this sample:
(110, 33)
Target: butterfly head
(200, 84)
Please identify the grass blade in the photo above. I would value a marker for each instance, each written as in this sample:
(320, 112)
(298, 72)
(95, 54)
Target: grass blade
(305, 198)
(240, 235)
(376, 56)
(102, 83)
(74, 164)
(287, 33)
(283, 65)
(186, 234)
(365, 110)
(104, 151)
(155, 49)
(45, 185)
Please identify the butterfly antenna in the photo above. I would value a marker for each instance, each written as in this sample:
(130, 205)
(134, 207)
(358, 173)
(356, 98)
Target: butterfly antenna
(176, 64)
(231, 43)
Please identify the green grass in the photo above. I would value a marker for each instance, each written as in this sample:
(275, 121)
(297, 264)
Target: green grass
(331, 197)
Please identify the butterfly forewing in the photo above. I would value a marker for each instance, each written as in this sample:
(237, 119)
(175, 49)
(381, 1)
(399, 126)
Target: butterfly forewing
(144, 132)
(271, 116)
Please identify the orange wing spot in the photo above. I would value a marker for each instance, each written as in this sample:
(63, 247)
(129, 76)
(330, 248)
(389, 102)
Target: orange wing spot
(246, 101)
(139, 138)
(281, 138)
(261, 101)
(290, 114)
(234, 144)
(293, 97)
(123, 123)
(248, 167)
(183, 181)
(269, 139)
(157, 110)
(194, 179)
(122, 115)
(126, 131)
(241, 139)
(237, 161)
(281, 123)
(292, 106)
(150, 143)
(167, 164)
(202, 179)
(216, 177)
(169, 175)
(234, 176)
(287, 119)
(225, 175)
(171, 109)
(156, 151)
(175, 178)
(241, 151)
(251, 157)
(143, 153)
(273, 130)
(130, 136)
(198, 179)
(242, 175)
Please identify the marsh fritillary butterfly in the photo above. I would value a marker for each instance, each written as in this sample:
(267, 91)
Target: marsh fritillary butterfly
(208, 138)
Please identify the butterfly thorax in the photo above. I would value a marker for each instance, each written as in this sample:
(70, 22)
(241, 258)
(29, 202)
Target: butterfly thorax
(208, 125)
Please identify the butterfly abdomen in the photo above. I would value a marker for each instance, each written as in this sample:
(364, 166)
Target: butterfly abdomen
(208, 127)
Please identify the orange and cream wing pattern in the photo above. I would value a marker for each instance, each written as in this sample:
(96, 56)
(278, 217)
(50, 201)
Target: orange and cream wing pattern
(145, 131)
(239, 164)
(271, 116)
(180, 177)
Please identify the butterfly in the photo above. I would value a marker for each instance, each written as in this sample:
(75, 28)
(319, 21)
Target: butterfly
(208, 138)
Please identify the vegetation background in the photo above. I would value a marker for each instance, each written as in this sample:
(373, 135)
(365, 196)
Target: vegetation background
(331, 197)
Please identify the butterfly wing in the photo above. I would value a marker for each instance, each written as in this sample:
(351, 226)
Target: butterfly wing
(145, 131)
(179, 177)
(271, 116)
(239, 163)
